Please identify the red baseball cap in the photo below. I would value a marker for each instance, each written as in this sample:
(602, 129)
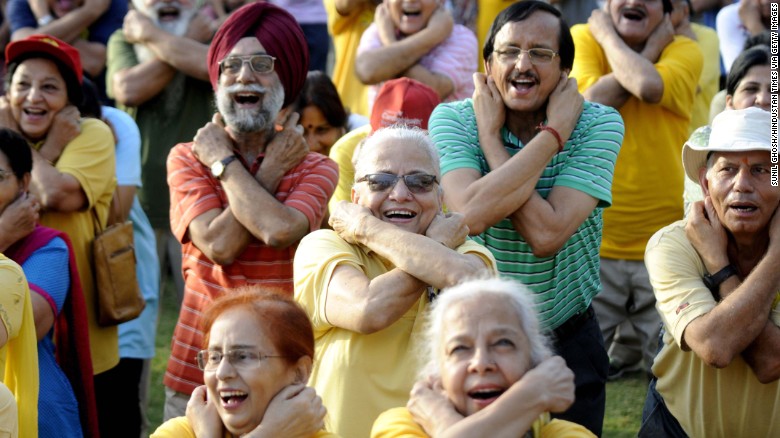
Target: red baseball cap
(403, 101)
(49, 45)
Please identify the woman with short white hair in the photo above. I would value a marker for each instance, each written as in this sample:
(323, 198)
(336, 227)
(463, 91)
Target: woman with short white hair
(490, 371)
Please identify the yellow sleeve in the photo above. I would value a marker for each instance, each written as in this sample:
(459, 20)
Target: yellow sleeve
(676, 273)
(396, 423)
(680, 67)
(13, 296)
(342, 153)
(474, 248)
(90, 159)
(316, 257)
(565, 429)
(177, 427)
(590, 63)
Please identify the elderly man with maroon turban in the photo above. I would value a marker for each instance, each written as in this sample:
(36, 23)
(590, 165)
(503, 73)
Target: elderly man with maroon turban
(245, 191)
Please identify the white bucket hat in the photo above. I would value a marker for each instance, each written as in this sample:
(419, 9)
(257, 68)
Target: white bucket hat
(732, 131)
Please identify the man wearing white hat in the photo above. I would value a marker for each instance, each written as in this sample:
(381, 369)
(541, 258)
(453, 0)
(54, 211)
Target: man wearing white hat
(717, 285)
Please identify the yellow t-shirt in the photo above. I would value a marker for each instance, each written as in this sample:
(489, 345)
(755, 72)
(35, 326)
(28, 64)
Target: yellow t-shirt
(19, 355)
(346, 32)
(342, 153)
(709, 82)
(487, 11)
(647, 186)
(9, 420)
(90, 159)
(707, 401)
(179, 427)
(398, 422)
(358, 376)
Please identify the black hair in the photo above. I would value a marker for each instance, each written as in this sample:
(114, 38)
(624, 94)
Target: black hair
(762, 38)
(90, 105)
(520, 11)
(667, 4)
(757, 55)
(69, 76)
(318, 90)
(16, 149)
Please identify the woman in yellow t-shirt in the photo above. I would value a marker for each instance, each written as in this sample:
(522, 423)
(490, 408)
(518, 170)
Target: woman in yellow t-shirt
(258, 356)
(490, 371)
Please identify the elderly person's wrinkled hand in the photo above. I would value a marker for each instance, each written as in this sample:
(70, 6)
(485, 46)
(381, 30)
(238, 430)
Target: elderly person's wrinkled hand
(555, 382)
(347, 219)
(430, 407)
(136, 27)
(565, 106)
(488, 105)
(600, 25)
(295, 412)
(65, 127)
(202, 415)
(707, 235)
(200, 29)
(212, 142)
(19, 217)
(450, 230)
(662, 36)
(287, 148)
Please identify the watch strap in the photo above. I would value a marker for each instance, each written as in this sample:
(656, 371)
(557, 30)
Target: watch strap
(714, 281)
(225, 161)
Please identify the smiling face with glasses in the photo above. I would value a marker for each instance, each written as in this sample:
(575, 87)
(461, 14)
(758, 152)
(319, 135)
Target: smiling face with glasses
(242, 369)
(525, 64)
(250, 94)
(398, 182)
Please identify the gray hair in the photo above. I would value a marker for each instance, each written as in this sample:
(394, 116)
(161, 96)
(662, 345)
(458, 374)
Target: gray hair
(402, 133)
(516, 295)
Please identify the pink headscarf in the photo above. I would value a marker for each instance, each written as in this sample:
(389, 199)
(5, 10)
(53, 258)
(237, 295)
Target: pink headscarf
(280, 35)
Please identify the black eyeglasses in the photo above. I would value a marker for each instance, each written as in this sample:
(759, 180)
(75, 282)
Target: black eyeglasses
(416, 182)
(259, 64)
(510, 55)
(209, 360)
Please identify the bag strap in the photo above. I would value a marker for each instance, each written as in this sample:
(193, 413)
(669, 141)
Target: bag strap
(115, 206)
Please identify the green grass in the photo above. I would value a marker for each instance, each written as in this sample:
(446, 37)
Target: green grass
(625, 397)
(169, 313)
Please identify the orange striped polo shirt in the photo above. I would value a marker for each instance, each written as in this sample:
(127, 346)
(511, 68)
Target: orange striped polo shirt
(194, 191)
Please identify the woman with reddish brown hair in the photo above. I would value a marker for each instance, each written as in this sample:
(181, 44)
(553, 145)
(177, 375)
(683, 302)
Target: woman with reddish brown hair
(258, 357)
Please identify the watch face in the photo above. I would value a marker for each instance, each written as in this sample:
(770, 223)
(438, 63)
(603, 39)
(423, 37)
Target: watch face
(217, 169)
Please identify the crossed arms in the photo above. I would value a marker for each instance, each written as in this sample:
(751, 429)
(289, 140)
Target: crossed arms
(254, 213)
(367, 305)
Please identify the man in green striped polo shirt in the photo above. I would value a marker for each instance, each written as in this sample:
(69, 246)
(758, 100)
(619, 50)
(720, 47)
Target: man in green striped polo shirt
(530, 165)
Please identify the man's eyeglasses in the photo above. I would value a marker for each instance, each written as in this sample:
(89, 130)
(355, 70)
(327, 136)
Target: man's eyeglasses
(538, 56)
(259, 63)
(209, 360)
(416, 182)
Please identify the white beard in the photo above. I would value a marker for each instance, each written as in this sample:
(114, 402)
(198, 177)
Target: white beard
(177, 28)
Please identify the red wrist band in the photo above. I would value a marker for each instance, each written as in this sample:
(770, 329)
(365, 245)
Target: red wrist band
(555, 134)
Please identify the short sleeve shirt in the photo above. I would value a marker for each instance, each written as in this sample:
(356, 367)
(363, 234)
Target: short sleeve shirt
(194, 191)
(565, 283)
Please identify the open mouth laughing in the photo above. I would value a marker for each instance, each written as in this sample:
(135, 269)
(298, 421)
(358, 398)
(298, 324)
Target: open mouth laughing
(633, 14)
(232, 398)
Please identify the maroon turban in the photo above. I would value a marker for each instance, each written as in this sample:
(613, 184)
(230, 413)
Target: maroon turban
(280, 35)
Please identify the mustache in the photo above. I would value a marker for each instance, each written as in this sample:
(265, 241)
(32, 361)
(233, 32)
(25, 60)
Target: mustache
(524, 75)
(243, 88)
